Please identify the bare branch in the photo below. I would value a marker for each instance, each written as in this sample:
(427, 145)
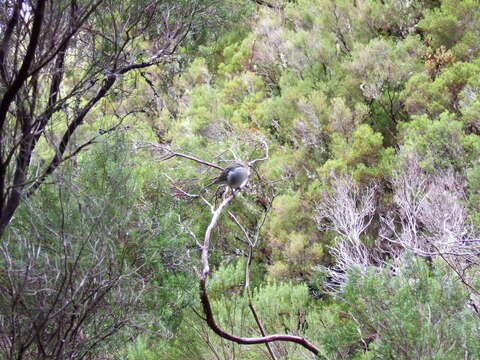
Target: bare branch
(265, 145)
(348, 210)
(206, 302)
(460, 275)
(172, 154)
(205, 247)
(248, 340)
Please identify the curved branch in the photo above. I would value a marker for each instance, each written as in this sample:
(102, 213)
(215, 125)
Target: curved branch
(265, 145)
(207, 309)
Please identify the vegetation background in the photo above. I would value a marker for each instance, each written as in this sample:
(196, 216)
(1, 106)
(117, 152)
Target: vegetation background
(365, 215)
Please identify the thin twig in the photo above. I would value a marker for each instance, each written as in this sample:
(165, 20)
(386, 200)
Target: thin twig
(262, 329)
(172, 154)
(265, 145)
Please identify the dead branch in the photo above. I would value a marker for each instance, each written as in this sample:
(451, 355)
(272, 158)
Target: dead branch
(348, 210)
(265, 145)
(205, 271)
(171, 154)
(207, 309)
(462, 278)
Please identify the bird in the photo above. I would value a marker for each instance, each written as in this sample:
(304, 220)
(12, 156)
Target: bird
(234, 175)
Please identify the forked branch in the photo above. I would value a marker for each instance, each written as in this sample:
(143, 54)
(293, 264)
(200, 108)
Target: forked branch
(205, 271)
(207, 309)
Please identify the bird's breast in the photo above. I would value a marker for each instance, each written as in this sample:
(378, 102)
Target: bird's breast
(236, 177)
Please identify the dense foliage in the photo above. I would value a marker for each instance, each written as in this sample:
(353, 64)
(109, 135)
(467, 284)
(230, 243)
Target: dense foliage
(366, 213)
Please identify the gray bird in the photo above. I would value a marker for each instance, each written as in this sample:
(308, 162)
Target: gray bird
(234, 175)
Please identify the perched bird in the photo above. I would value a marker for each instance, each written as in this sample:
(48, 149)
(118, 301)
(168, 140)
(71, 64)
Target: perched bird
(234, 175)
